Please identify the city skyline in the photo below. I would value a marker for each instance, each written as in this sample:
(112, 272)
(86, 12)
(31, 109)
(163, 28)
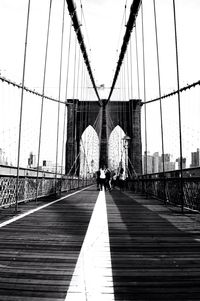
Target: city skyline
(155, 161)
(88, 155)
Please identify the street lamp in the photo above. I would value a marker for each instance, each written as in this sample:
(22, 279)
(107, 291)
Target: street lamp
(126, 140)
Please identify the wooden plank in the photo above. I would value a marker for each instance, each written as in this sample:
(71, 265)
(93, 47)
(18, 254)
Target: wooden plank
(152, 259)
(38, 253)
(154, 251)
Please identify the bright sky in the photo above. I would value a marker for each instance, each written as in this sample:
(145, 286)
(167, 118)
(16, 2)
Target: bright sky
(103, 27)
(106, 27)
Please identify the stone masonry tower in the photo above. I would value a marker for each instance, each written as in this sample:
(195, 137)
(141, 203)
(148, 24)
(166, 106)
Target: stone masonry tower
(81, 114)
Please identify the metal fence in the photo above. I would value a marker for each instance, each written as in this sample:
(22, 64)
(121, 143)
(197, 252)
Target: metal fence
(170, 187)
(46, 186)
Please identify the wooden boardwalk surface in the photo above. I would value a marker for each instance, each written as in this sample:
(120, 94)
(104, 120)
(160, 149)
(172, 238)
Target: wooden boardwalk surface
(155, 252)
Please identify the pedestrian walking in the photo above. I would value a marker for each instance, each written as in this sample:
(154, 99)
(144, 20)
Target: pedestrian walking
(122, 179)
(98, 179)
(108, 180)
(102, 178)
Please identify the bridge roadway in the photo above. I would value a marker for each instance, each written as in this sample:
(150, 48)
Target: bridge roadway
(154, 250)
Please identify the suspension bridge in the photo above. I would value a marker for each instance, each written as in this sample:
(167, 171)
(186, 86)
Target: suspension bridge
(121, 94)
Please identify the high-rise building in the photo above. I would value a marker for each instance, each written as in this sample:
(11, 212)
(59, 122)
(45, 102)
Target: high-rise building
(156, 162)
(147, 163)
(32, 160)
(50, 166)
(195, 158)
(3, 159)
(169, 164)
(178, 163)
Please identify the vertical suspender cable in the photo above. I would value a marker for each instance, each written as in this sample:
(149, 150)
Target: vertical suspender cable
(66, 95)
(179, 107)
(124, 107)
(78, 71)
(85, 122)
(128, 79)
(88, 95)
(126, 96)
(74, 82)
(131, 63)
(42, 101)
(82, 80)
(119, 89)
(77, 29)
(59, 91)
(137, 61)
(124, 79)
(161, 115)
(83, 87)
(82, 122)
(129, 26)
(122, 85)
(21, 109)
(124, 63)
(130, 113)
(78, 74)
(144, 83)
(127, 63)
(74, 113)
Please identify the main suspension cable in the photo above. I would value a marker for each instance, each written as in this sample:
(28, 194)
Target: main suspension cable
(77, 29)
(14, 84)
(132, 17)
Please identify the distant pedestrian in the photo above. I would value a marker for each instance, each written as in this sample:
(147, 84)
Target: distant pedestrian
(122, 179)
(114, 180)
(108, 180)
(102, 178)
(98, 179)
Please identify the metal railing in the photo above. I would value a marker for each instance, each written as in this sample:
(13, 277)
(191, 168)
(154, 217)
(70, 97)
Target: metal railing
(168, 187)
(46, 186)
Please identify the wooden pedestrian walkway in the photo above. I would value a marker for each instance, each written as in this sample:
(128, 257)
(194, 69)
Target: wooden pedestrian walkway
(146, 252)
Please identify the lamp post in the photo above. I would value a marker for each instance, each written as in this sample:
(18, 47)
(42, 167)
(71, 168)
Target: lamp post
(126, 140)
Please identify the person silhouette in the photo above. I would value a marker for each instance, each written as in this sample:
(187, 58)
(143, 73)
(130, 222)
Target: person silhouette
(98, 179)
(122, 178)
(102, 178)
(108, 179)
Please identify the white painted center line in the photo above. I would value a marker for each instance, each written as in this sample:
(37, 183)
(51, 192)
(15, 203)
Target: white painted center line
(92, 279)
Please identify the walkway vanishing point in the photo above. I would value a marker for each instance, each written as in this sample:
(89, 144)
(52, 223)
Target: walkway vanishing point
(151, 252)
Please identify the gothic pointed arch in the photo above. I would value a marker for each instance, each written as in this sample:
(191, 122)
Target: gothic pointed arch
(116, 154)
(89, 152)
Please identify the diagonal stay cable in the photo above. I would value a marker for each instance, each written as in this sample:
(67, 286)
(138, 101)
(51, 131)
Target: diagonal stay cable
(129, 27)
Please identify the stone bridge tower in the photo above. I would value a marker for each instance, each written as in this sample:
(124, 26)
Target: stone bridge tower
(81, 114)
